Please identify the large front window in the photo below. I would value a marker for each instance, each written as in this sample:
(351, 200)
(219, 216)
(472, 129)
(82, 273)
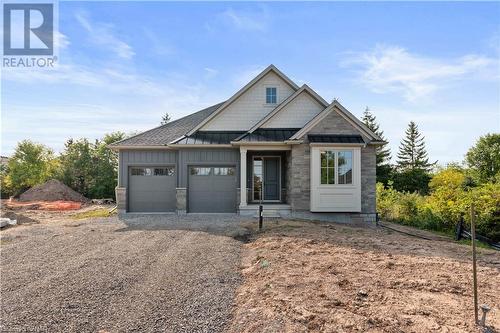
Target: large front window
(336, 167)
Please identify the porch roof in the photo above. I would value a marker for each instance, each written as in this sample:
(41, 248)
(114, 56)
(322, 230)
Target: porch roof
(268, 135)
(335, 138)
(210, 138)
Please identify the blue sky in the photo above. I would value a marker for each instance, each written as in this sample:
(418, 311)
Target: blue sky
(124, 64)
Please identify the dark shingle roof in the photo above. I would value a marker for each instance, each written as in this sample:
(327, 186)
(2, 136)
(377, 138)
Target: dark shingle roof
(210, 138)
(167, 133)
(269, 134)
(335, 138)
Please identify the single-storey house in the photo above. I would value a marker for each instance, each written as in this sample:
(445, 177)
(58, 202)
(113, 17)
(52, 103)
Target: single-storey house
(272, 142)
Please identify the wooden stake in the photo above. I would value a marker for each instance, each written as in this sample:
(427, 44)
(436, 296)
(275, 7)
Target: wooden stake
(474, 272)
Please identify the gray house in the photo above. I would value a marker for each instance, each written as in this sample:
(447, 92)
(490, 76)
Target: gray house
(271, 142)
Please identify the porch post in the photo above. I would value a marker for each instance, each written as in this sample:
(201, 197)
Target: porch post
(243, 177)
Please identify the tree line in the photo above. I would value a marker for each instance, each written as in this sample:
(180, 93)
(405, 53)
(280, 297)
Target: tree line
(90, 168)
(420, 193)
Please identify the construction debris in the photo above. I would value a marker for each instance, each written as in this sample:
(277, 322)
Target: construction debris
(4, 221)
(52, 190)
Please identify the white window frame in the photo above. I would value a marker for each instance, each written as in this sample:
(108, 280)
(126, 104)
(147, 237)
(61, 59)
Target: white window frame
(336, 152)
(335, 197)
(265, 95)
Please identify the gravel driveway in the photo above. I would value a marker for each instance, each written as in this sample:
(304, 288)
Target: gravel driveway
(145, 274)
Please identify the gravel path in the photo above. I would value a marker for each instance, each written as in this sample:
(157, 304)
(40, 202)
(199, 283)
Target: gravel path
(104, 274)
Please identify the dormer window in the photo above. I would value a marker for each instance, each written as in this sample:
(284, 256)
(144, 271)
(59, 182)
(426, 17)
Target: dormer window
(271, 95)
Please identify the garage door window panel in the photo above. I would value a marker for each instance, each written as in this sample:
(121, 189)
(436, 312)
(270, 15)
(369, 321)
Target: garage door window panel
(196, 171)
(225, 171)
(168, 171)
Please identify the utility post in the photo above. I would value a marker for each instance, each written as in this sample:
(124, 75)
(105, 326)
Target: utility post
(261, 209)
(474, 271)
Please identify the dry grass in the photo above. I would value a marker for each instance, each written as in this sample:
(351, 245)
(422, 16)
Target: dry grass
(102, 212)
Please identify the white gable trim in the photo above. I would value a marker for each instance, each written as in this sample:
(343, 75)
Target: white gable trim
(280, 107)
(243, 90)
(349, 117)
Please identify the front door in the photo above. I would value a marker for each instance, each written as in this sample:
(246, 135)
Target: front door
(271, 178)
(266, 178)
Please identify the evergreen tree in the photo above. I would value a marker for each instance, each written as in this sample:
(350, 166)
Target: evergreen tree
(383, 151)
(412, 154)
(165, 119)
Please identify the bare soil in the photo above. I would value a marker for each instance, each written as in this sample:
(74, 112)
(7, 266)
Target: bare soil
(52, 190)
(313, 277)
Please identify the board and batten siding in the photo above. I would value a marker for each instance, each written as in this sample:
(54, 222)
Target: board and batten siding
(296, 114)
(151, 157)
(206, 157)
(251, 106)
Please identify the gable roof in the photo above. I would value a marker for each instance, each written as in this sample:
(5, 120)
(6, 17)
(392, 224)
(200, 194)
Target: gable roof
(164, 134)
(270, 68)
(344, 113)
(276, 110)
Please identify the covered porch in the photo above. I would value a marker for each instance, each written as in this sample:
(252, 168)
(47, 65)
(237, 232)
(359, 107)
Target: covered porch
(264, 179)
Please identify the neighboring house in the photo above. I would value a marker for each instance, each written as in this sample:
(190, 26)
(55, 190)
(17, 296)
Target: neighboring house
(4, 161)
(272, 141)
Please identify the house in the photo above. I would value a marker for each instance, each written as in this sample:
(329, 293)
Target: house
(271, 142)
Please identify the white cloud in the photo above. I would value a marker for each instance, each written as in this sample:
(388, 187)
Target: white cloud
(102, 34)
(387, 69)
(243, 77)
(254, 20)
(210, 72)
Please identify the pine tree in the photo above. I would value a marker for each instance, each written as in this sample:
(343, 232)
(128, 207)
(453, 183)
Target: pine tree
(165, 119)
(412, 154)
(383, 152)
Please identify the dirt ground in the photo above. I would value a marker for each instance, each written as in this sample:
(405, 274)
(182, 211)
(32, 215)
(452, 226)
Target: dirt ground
(303, 277)
(173, 274)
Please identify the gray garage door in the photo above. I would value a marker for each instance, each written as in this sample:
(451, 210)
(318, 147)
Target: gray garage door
(152, 189)
(212, 189)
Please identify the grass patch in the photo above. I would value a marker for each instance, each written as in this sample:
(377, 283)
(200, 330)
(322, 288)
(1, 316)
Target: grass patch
(103, 212)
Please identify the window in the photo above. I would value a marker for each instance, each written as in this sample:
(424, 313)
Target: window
(271, 95)
(342, 173)
(168, 171)
(257, 178)
(200, 171)
(344, 167)
(327, 167)
(141, 172)
(224, 171)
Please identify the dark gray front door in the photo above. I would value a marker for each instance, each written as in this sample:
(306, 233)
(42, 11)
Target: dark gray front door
(271, 178)
(151, 189)
(212, 189)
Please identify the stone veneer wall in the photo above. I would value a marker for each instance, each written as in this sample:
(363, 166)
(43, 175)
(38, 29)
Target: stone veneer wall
(299, 165)
(121, 199)
(181, 197)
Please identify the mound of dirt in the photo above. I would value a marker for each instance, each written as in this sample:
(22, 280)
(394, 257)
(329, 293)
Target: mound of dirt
(52, 190)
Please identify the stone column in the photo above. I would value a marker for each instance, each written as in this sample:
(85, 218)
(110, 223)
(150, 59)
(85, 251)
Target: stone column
(243, 177)
(181, 200)
(121, 199)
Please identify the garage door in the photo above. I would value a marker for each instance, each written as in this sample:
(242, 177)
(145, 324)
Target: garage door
(212, 189)
(152, 189)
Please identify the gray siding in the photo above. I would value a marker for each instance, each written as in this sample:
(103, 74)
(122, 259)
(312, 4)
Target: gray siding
(205, 156)
(143, 157)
